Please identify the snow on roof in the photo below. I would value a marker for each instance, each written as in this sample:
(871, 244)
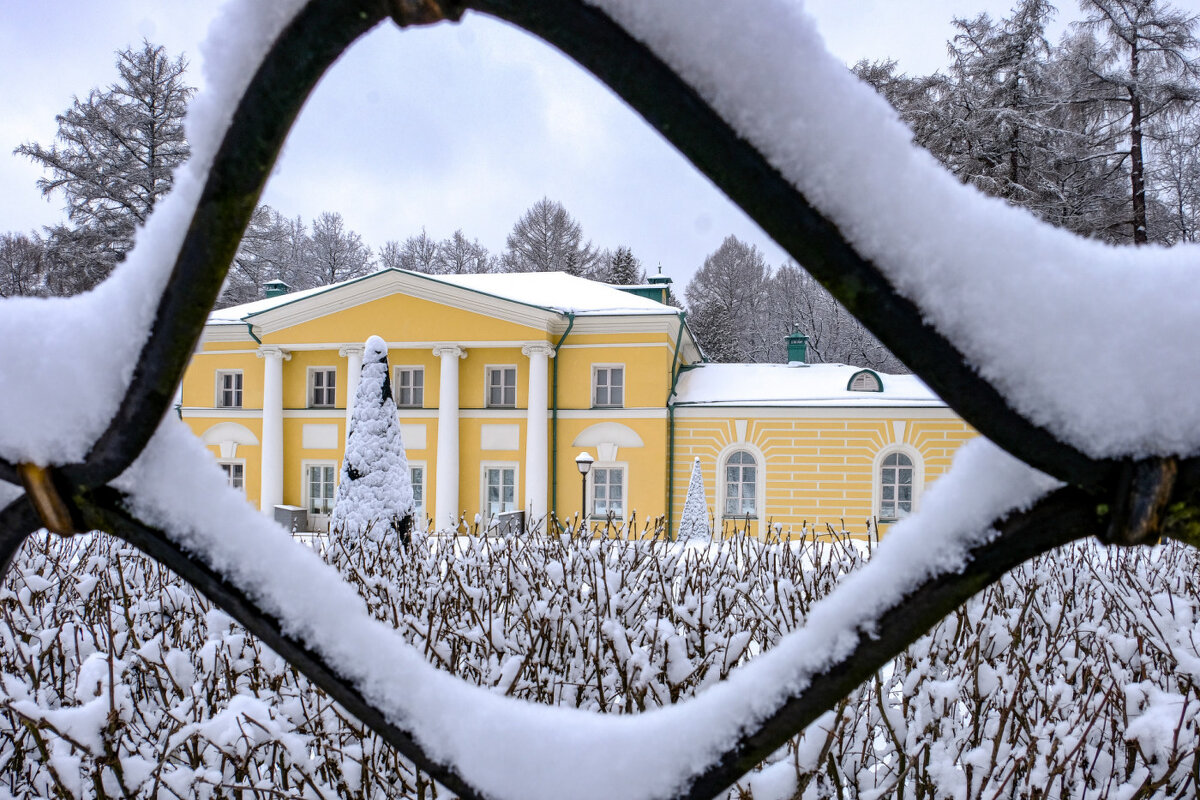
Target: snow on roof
(800, 385)
(556, 291)
(560, 292)
(237, 314)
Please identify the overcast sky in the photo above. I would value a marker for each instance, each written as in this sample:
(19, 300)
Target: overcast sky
(454, 126)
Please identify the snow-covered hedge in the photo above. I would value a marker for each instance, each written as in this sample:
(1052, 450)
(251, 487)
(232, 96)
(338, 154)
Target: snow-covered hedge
(1077, 672)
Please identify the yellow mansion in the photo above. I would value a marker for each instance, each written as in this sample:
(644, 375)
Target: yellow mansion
(503, 380)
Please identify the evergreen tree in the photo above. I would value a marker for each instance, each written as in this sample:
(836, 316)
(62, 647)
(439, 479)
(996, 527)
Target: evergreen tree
(693, 523)
(374, 500)
(114, 158)
(623, 268)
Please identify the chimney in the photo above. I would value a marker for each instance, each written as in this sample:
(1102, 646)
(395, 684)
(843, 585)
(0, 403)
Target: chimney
(275, 288)
(797, 347)
(661, 283)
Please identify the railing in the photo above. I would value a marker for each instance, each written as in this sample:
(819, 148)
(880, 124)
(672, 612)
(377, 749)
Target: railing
(1118, 500)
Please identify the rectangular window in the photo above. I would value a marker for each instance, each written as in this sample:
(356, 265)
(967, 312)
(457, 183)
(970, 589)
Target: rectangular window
(608, 492)
(500, 490)
(229, 388)
(322, 387)
(608, 387)
(235, 474)
(320, 484)
(501, 387)
(409, 387)
(418, 486)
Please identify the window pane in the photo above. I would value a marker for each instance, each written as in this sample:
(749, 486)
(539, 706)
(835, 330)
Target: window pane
(617, 376)
(616, 396)
(418, 377)
(889, 475)
(905, 476)
(887, 510)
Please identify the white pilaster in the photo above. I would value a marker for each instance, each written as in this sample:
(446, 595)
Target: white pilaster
(537, 420)
(353, 353)
(445, 496)
(272, 427)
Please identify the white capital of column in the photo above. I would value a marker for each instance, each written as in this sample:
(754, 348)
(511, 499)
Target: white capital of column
(445, 495)
(271, 493)
(353, 353)
(537, 419)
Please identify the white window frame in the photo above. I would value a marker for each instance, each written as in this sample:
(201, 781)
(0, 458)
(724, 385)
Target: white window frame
(305, 496)
(918, 481)
(591, 492)
(483, 487)
(220, 389)
(760, 481)
(412, 369)
(419, 510)
(488, 371)
(596, 368)
(233, 462)
(311, 384)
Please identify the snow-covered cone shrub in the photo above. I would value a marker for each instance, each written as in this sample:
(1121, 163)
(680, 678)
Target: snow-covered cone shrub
(693, 524)
(374, 500)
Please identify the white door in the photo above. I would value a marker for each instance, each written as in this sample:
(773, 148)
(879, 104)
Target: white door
(320, 484)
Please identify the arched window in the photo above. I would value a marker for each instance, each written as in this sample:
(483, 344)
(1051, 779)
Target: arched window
(864, 381)
(897, 481)
(741, 484)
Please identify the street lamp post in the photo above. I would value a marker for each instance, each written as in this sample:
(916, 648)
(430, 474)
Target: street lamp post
(584, 462)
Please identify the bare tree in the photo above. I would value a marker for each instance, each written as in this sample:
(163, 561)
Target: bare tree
(22, 265)
(798, 300)
(548, 239)
(417, 253)
(727, 303)
(1146, 69)
(458, 256)
(114, 158)
(272, 248)
(337, 253)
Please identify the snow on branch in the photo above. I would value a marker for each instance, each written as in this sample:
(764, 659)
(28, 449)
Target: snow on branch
(1073, 332)
(484, 736)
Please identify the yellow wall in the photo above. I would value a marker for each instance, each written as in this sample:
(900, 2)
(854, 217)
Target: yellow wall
(818, 467)
(400, 318)
(200, 379)
(819, 470)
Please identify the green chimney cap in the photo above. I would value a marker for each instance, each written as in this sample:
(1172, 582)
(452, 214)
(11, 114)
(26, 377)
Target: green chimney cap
(275, 288)
(797, 347)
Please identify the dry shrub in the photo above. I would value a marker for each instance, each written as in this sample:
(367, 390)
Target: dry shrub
(1076, 675)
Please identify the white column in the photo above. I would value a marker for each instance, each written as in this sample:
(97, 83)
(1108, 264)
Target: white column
(353, 354)
(272, 427)
(445, 495)
(537, 420)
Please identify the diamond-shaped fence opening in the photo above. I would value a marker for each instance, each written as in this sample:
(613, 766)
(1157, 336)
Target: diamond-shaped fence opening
(749, 96)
